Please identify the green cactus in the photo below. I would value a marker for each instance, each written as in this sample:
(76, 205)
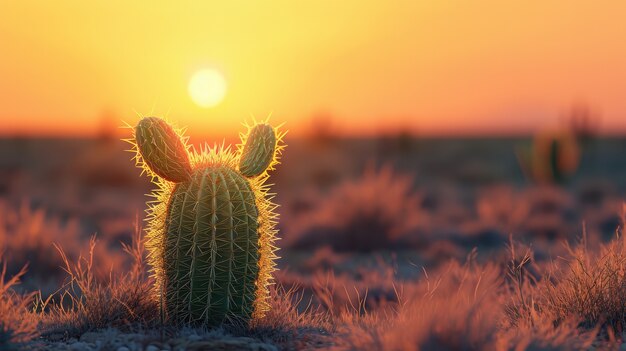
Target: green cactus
(211, 226)
(552, 158)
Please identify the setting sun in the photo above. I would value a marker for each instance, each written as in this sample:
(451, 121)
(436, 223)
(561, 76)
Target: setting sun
(207, 88)
(510, 68)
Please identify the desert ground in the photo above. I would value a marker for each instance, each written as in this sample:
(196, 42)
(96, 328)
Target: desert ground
(390, 243)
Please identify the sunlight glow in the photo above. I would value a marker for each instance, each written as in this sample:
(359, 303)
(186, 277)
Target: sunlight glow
(207, 88)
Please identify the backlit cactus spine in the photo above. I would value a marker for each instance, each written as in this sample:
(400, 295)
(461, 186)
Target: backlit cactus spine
(211, 225)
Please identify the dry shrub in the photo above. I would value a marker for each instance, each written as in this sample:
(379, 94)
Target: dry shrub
(540, 333)
(369, 289)
(459, 310)
(501, 206)
(590, 286)
(536, 212)
(27, 235)
(374, 212)
(528, 326)
(289, 325)
(123, 301)
(578, 300)
(520, 306)
(18, 324)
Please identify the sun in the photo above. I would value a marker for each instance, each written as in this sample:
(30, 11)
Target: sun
(207, 88)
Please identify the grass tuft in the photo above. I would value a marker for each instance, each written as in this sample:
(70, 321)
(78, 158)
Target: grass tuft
(123, 301)
(590, 286)
(376, 212)
(18, 324)
(457, 309)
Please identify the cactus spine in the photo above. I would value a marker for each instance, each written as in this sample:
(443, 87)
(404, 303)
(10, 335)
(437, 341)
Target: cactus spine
(163, 151)
(211, 226)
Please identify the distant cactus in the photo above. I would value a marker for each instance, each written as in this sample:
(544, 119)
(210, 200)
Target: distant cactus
(552, 158)
(584, 122)
(211, 225)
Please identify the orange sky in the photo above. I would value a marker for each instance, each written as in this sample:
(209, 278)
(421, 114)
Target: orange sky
(433, 66)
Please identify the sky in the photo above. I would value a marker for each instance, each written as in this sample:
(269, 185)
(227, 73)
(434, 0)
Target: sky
(432, 67)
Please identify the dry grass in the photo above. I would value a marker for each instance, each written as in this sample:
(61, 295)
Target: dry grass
(29, 235)
(581, 292)
(26, 235)
(457, 309)
(123, 301)
(574, 302)
(528, 324)
(591, 286)
(466, 307)
(290, 326)
(18, 324)
(375, 212)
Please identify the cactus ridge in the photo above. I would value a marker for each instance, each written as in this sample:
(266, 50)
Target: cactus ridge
(211, 223)
(211, 237)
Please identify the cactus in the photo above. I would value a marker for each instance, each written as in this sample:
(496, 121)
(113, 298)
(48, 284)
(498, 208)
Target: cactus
(553, 157)
(211, 227)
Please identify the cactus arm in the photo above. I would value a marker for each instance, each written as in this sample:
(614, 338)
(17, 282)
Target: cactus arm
(162, 149)
(258, 150)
